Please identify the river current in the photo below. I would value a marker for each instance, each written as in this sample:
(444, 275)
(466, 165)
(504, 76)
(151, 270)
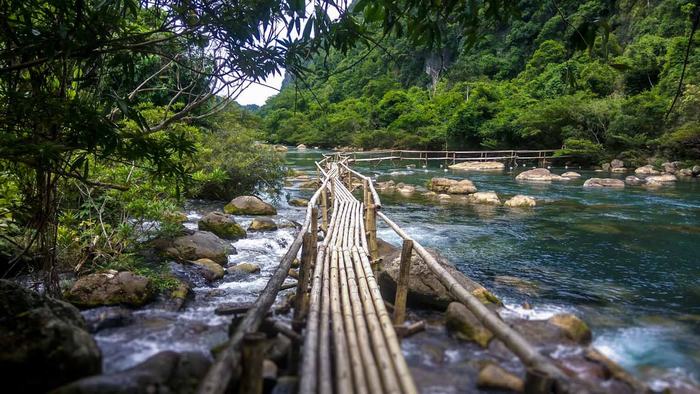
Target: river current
(626, 261)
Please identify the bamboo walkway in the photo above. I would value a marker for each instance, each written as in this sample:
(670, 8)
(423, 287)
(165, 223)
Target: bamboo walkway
(349, 344)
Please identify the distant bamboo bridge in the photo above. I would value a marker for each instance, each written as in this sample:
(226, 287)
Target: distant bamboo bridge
(541, 156)
(348, 339)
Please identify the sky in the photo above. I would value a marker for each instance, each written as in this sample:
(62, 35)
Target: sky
(257, 94)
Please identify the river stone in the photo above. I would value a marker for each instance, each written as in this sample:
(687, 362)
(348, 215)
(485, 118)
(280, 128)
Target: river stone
(249, 205)
(671, 167)
(424, 288)
(165, 372)
(606, 167)
(646, 170)
(451, 186)
(405, 189)
(685, 172)
(492, 376)
(478, 166)
(43, 342)
(111, 288)
(248, 268)
(604, 183)
(523, 286)
(660, 180)
(440, 185)
(520, 201)
(301, 147)
(464, 325)
(223, 225)
(633, 180)
(619, 170)
(465, 186)
(313, 184)
(200, 245)
(617, 163)
(571, 174)
(535, 175)
(262, 224)
(696, 170)
(385, 186)
(299, 202)
(281, 148)
(210, 269)
(485, 198)
(97, 319)
(576, 329)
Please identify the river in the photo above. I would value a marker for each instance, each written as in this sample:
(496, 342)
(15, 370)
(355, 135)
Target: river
(627, 261)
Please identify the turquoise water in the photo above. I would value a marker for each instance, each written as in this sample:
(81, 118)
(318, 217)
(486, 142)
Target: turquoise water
(627, 261)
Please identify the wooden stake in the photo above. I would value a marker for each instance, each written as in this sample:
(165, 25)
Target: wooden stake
(253, 355)
(308, 255)
(402, 283)
(324, 211)
(372, 232)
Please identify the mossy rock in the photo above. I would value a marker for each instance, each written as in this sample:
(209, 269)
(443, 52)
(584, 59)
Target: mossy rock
(210, 269)
(262, 224)
(111, 288)
(575, 329)
(247, 268)
(249, 205)
(222, 225)
(299, 202)
(461, 322)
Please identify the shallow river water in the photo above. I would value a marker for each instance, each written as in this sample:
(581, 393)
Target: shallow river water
(627, 261)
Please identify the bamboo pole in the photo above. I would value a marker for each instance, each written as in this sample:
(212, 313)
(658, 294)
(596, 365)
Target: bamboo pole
(372, 232)
(253, 355)
(324, 211)
(402, 283)
(308, 255)
(343, 379)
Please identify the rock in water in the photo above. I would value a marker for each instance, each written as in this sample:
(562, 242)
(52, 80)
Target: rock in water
(223, 225)
(249, 205)
(210, 269)
(571, 174)
(479, 166)
(536, 175)
(685, 172)
(299, 202)
(646, 170)
(660, 180)
(301, 147)
(262, 224)
(492, 376)
(671, 167)
(100, 318)
(165, 372)
(633, 180)
(424, 288)
(281, 148)
(43, 342)
(451, 186)
(200, 245)
(617, 163)
(111, 288)
(248, 268)
(521, 201)
(604, 182)
(576, 329)
(696, 170)
(465, 325)
(485, 198)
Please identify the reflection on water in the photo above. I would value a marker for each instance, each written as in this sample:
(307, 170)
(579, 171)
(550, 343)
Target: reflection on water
(627, 260)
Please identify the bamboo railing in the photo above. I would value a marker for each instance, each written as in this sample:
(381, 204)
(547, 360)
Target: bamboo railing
(452, 156)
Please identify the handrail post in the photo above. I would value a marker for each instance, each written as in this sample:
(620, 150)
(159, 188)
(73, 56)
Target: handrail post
(372, 232)
(324, 210)
(402, 283)
(253, 355)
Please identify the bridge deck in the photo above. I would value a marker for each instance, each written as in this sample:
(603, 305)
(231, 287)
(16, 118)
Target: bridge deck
(351, 343)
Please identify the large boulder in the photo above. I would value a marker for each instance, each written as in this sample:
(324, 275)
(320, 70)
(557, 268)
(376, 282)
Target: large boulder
(249, 205)
(223, 225)
(451, 186)
(604, 183)
(484, 198)
(464, 325)
(111, 288)
(646, 170)
(262, 224)
(479, 166)
(424, 288)
(165, 372)
(43, 342)
(520, 201)
(199, 245)
(537, 175)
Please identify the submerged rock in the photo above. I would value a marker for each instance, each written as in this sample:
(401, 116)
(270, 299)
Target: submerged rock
(43, 342)
(521, 285)
(492, 376)
(424, 288)
(199, 245)
(405, 189)
(299, 202)
(312, 184)
(485, 198)
(111, 288)
(222, 225)
(479, 166)
(97, 319)
(249, 205)
(385, 186)
(604, 183)
(262, 224)
(520, 201)
(646, 170)
(165, 372)
(461, 322)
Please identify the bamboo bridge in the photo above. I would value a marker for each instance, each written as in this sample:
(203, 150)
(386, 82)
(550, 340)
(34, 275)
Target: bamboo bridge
(348, 340)
(542, 156)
